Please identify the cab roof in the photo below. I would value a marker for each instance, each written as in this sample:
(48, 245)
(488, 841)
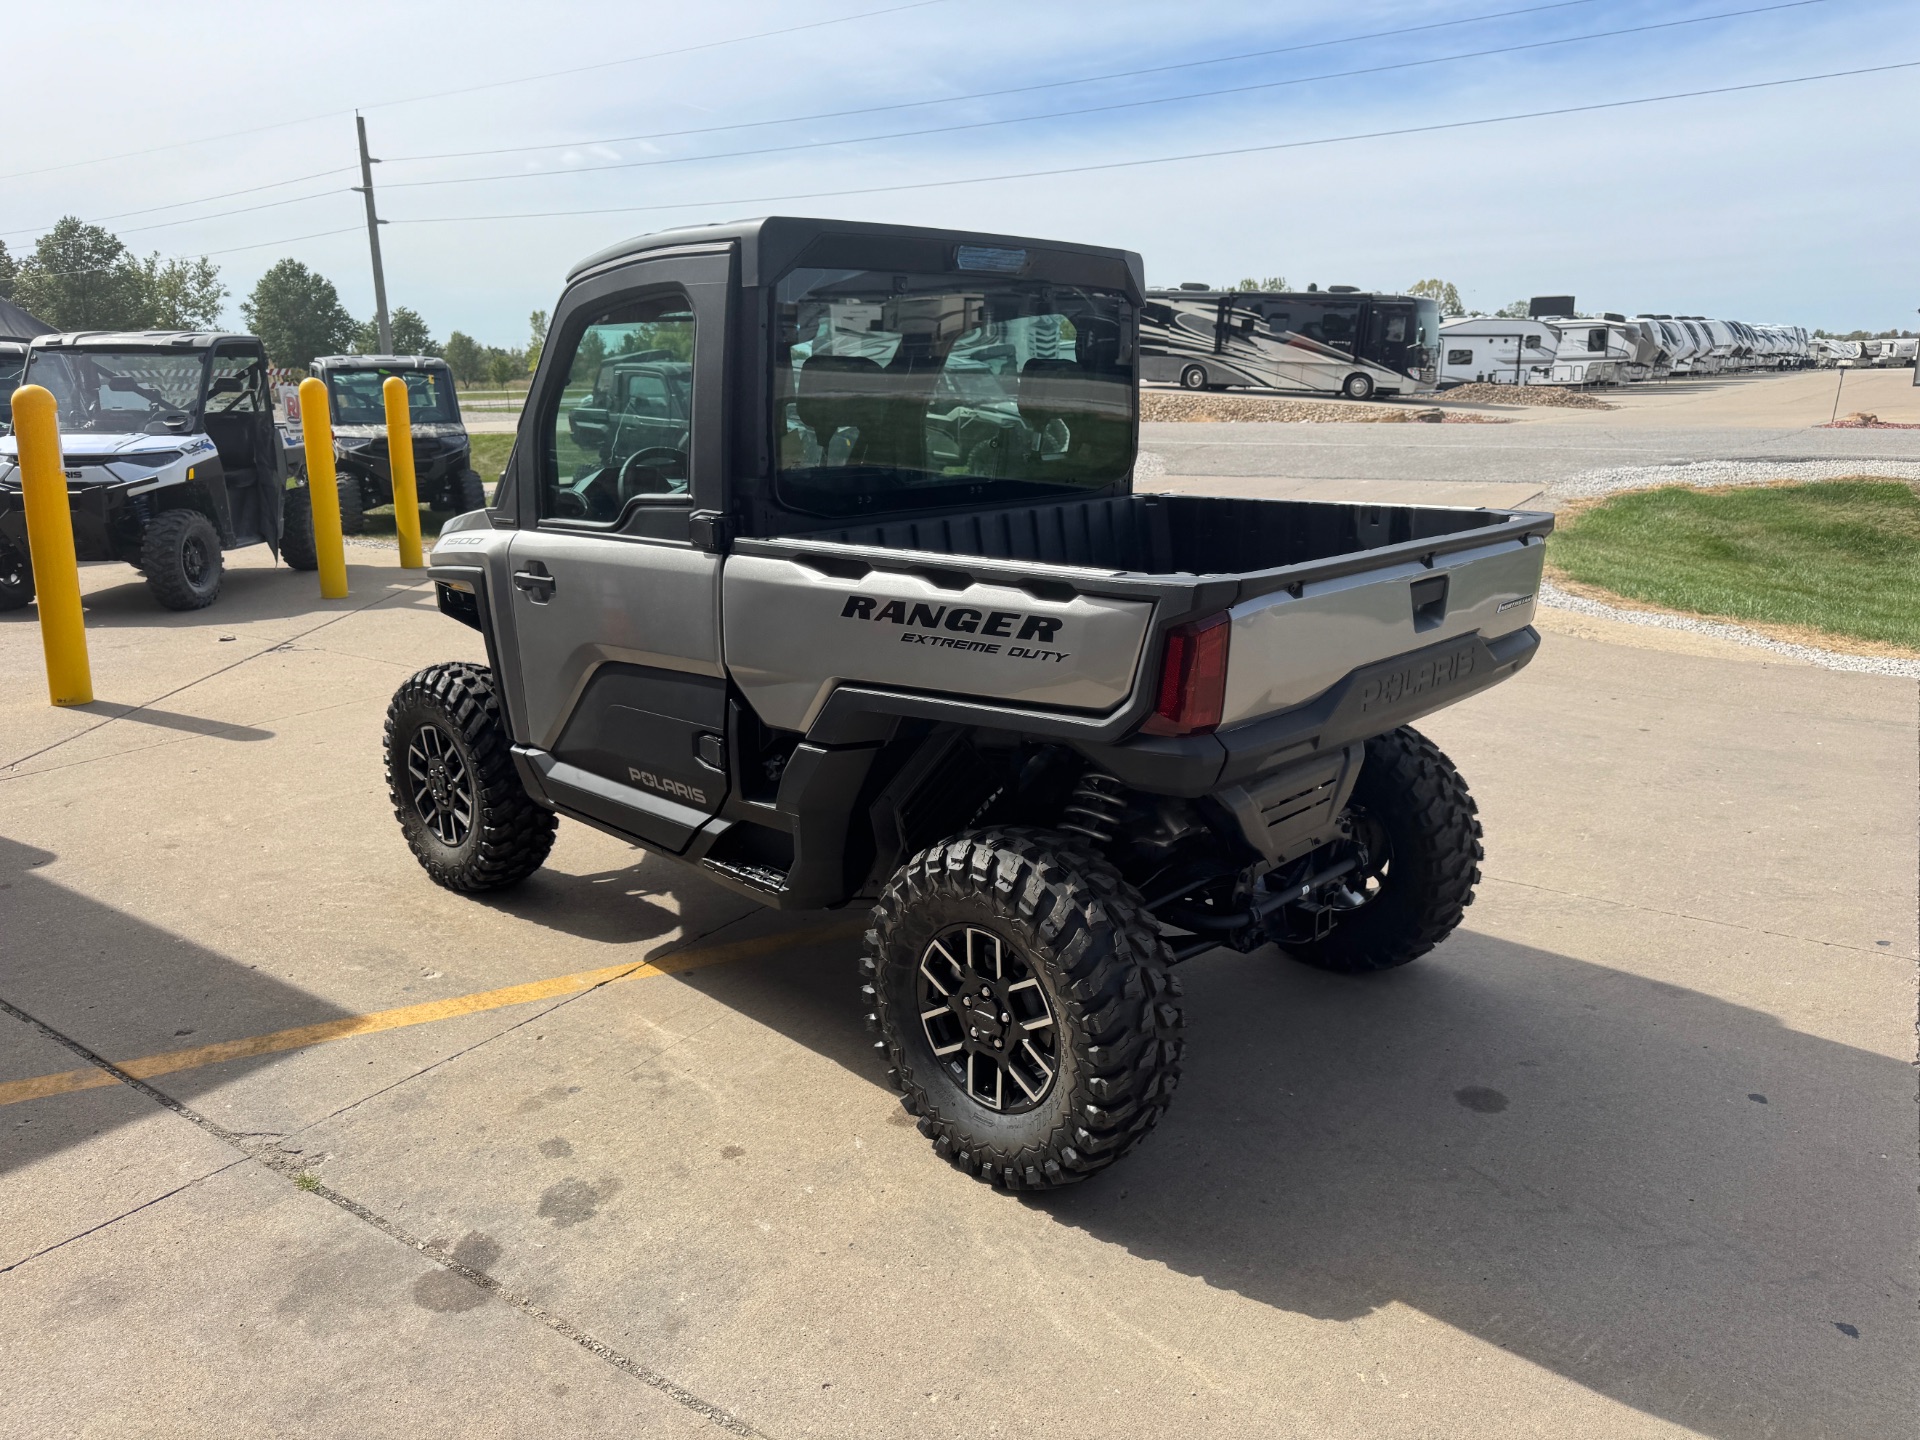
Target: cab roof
(771, 244)
(383, 362)
(123, 339)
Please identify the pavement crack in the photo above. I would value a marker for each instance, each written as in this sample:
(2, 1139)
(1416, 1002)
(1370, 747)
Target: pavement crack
(292, 1167)
(124, 1214)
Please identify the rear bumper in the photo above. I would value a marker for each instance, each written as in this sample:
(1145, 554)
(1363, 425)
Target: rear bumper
(1367, 702)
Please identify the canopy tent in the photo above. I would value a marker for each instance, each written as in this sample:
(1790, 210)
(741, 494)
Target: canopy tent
(17, 324)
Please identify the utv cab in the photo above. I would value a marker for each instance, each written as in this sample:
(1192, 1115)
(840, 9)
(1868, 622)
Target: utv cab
(442, 456)
(171, 459)
(13, 359)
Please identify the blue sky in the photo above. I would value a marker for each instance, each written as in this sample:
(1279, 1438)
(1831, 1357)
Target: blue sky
(1794, 204)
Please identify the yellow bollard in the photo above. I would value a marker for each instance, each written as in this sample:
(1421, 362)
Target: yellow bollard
(406, 492)
(56, 574)
(323, 488)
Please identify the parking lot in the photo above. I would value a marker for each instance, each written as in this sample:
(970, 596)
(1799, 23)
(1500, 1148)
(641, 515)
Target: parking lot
(1632, 1154)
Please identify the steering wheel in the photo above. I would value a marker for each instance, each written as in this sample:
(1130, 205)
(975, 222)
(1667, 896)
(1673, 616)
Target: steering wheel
(653, 471)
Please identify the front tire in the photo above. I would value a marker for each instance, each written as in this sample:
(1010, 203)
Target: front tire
(459, 801)
(180, 556)
(1422, 834)
(16, 579)
(1357, 387)
(1027, 939)
(1194, 377)
(297, 545)
(466, 493)
(353, 503)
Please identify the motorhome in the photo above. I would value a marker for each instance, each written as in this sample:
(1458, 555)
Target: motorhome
(1491, 350)
(1340, 340)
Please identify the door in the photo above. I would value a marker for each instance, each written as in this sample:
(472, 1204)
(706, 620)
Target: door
(615, 634)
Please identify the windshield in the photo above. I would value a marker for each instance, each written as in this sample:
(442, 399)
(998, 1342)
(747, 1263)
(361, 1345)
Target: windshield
(896, 392)
(121, 391)
(358, 398)
(10, 368)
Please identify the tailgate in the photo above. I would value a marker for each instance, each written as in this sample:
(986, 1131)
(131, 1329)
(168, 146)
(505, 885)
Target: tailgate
(1291, 645)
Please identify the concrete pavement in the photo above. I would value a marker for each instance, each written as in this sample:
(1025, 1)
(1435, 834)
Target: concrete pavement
(1631, 1155)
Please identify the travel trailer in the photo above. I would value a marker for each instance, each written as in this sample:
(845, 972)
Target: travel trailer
(1490, 350)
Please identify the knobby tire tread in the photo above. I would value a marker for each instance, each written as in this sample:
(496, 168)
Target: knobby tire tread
(1120, 1007)
(515, 835)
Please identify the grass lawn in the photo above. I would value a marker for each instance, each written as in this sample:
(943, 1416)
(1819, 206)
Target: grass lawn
(489, 459)
(490, 455)
(1841, 557)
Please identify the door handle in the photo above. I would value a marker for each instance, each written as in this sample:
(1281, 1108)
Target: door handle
(535, 580)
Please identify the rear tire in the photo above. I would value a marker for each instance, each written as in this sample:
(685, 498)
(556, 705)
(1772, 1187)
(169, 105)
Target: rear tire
(1194, 377)
(1357, 387)
(353, 503)
(16, 579)
(1044, 947)
(459, 801)
(297, 545)
(180, 556)
(1417, 809)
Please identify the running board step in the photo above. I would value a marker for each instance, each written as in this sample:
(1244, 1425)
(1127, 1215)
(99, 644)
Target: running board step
(757, 877)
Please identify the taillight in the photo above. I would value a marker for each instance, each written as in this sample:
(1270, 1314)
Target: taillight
(1193, 678)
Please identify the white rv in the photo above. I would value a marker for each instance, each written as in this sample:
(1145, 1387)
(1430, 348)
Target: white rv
(1493, 351)
(1592, 351)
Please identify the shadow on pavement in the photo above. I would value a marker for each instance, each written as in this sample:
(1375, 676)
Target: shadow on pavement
(168, 720)
(1668, 1199)
(119, 599)
(611, 907)
(123, 988)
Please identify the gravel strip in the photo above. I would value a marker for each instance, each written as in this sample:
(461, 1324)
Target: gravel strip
(1706, 474)
(1557, 397)
(1553, 595)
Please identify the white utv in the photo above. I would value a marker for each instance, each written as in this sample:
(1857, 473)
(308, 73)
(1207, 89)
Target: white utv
(171, 460)
(1058, 735)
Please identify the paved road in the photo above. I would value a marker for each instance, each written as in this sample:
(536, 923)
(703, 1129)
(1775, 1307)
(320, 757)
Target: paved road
(1631, 1155)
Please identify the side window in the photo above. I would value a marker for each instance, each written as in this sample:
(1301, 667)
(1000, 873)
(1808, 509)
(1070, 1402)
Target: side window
(250, 398)
(1459, 357)
(1597, 341)
(622, 431)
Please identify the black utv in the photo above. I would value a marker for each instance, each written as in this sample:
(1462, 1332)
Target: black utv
(442, 455)
(171, 459)
(13, 359)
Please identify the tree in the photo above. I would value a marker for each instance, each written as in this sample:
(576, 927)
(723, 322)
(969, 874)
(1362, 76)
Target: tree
(297, 314)
(1442, 293)
(183, 294)
(1272, 282)
(505, 365)
(9, 272)
(80, 277)
(409, 331)
(537, 323)
(465, 358)
(1516, 310)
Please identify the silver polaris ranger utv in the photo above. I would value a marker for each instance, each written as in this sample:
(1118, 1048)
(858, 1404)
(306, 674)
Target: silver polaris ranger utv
(865, 610)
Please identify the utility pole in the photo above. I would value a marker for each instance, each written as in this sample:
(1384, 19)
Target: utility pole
(374, 222)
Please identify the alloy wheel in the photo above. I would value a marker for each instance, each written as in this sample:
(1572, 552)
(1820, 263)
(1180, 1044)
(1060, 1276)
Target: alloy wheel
(987, 1019)
(442, 785)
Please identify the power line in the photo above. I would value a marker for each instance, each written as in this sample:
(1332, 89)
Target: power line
(131, 258)
(469, 89)
(997, 94)
(1167, 159)
(202, 200)
(1099, 109)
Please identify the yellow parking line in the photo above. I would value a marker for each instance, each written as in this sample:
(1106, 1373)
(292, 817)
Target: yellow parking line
(347, 1026)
